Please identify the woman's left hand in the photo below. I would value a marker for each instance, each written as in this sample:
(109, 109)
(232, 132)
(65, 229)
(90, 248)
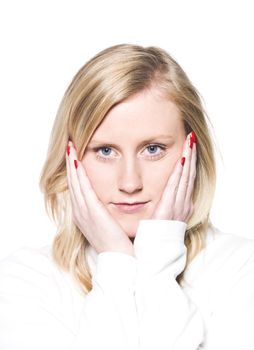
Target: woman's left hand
(176, 201)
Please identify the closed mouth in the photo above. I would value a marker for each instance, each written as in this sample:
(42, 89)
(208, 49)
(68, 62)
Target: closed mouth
(130, 207)
(134, 203)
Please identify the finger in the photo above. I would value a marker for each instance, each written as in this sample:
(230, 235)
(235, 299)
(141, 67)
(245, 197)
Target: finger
(70, 188)
(184, 181)
(171, 188)
(192, 176)
(167, 202)
(73, 182)
(94, 206)
(174, 179)
(87, 190)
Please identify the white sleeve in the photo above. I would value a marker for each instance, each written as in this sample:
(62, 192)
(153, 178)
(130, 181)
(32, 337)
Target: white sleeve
(33, 312)
(109, 318)
(167, 318)
(231, 325)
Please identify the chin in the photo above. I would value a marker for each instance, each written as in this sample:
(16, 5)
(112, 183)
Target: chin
(129, 222)
(129, 226)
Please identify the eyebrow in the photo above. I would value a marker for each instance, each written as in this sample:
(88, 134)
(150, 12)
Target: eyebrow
(149, 140)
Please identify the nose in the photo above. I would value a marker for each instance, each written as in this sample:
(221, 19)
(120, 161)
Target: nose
(130, 177)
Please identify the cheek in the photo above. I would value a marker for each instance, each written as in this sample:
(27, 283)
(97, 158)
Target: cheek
(101, 178)
(158, 174)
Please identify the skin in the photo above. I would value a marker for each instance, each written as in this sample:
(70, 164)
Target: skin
(120, 165)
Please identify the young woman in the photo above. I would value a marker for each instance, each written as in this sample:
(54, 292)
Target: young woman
(136, 264)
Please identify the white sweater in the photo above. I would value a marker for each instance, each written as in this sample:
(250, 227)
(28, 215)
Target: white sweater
(135, 303)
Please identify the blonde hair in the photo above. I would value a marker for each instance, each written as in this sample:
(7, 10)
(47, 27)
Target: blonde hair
(111, 76)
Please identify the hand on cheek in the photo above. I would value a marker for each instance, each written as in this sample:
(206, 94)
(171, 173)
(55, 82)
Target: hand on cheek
(89, 214)
(176, 201)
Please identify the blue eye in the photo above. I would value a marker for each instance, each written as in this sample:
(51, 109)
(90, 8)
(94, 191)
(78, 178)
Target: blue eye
(152, 148)
(155, 151)
(105, 151)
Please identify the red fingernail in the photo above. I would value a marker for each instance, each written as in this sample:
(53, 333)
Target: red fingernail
(68, 150)
(76, 163)
(183, 161)
(192, 139)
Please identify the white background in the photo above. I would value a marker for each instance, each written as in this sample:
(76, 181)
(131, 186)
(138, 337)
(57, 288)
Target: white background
(44, 43)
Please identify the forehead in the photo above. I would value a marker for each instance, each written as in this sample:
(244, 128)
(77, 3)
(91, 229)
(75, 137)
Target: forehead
(143, 115)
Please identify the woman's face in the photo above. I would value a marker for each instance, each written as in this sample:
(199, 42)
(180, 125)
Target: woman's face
(132, 154)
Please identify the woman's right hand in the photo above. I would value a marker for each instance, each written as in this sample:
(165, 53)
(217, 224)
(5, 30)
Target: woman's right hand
(89, 214)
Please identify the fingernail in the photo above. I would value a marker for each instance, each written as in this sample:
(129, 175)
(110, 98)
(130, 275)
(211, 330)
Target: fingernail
(192, 139)
(76, 163)
(183, 161)
(68, 150)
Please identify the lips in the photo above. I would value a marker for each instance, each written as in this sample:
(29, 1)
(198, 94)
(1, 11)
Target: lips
(130, 207)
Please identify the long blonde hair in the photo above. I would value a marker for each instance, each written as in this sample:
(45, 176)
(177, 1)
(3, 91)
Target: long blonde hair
(111, 76)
